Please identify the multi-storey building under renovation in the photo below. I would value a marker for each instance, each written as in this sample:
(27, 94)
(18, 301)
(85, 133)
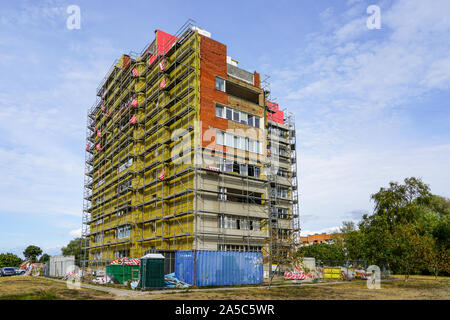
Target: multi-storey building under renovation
(185, 152)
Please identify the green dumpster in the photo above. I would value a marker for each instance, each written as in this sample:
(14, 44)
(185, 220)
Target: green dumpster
(123, 273)
(152, 271)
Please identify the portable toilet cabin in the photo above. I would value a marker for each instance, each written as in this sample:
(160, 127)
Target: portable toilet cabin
(152, 271)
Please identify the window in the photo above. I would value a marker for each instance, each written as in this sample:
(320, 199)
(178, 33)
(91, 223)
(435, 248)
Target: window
(250, 120)
(257, 122)
(97, 256)
(125, 165)
(258, 146)
(257, 172)
(274, 150)
(123, 232)
(102, 181)
(228, 166)
(236, 167)
(236, 115)
(243, 169)
(251, 170)
(282, 172)
(251, 146)
(242, 143)
(241, 248)
(98, 237)
(236, 142)
(221, 222)
(273, 192)
(121, 253)
(100, 199)
(283, 213)
(219, 137)
(219, 111)
(124, 186)
(229, 140)
(229, 113)
(244, 118)
(282, 192)
(220, 84)
(239, 223)
(222, 193)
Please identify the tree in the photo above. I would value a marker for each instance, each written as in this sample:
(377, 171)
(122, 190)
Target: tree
(353, 245)
(442, 232)
(412, 252)
(440, 261)
(440, 205)
(400, 202)
(32, 252)
(74, 249)
(9, 260)
(376, 240)
(347, 226)
(282, 252)
(409, 230)
(45, 258)
(327, 253)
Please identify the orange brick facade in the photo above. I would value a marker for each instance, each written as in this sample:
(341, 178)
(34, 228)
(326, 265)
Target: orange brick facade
(317, 238)
(213, 59)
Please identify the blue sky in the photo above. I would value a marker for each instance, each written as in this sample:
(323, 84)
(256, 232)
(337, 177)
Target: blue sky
(371, 105)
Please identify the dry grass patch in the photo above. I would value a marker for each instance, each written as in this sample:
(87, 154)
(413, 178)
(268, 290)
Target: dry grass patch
(32, 288)
(390, 290)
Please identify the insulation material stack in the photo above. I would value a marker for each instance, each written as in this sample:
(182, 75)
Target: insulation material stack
(164, 41)
(276, 115)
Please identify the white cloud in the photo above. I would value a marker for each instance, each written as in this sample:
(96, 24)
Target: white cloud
(353, 91)
(32, 14)
(438, 76)
(333, 188)
(330, 230)
(75, 233)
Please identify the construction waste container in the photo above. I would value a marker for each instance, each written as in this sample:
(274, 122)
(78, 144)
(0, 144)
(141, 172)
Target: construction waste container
(123, 273)
(152, 271)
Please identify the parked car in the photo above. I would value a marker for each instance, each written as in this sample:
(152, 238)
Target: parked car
(8, 271)
(19, 271)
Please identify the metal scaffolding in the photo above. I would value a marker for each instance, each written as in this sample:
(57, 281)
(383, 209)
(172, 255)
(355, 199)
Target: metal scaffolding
(137, 198)
(146, 185)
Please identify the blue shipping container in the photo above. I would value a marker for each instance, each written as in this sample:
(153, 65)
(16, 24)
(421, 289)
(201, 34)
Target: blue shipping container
(219, 268)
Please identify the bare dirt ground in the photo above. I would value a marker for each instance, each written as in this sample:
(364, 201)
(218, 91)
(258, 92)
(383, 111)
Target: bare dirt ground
(422, 288)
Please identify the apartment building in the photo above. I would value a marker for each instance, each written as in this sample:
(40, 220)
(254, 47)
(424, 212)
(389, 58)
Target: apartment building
(180, 155)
